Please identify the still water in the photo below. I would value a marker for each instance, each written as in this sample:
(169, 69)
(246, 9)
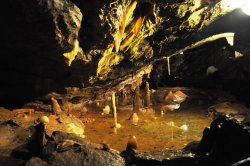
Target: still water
(154, 131)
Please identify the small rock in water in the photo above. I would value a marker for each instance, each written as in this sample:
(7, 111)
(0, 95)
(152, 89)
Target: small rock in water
(170, 107)
(90, 102)
(179, 97)
(169, 97)
(211, 70)
(106, 109)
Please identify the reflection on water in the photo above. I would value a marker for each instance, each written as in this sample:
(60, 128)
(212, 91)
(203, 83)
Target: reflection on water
(154, 131)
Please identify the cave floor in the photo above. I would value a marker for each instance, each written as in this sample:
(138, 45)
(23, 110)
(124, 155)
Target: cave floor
(154, 130)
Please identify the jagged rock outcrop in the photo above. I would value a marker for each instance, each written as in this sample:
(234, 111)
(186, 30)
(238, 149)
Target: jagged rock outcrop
(39, 39)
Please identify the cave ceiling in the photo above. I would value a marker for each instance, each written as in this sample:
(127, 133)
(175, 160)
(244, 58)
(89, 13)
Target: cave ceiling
(49, 44)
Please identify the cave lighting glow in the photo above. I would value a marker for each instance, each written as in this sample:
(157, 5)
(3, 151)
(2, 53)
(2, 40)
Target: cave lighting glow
(246, 8)
(244, 5)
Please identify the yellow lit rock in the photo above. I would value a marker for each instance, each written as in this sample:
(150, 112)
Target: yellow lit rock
(134, 31)
(127, 15)
(106, 109)
(106, 62)
(44, 119)
(194, 19)
(72, 125)
(72, 128)
(71, 55)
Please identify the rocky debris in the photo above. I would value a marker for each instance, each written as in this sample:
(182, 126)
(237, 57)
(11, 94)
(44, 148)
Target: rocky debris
(12, 134)
(11, 161)
(72, 124)
(36, 161)
(170, 107)
(10, 123)
(165, 157)
(39, 106)
(179, 97)
(226, 108)
(176, 97)
(173, 101)
(225, 142)
(21, 111)
(67, 149)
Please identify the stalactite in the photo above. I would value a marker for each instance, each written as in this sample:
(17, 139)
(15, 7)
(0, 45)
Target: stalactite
(168, 61)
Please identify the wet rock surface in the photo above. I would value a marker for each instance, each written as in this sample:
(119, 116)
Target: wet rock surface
(165, 157)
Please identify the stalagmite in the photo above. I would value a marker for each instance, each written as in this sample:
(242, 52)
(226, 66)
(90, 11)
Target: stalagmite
(137, 102)
(148, 100)
(124, 97)
(172, 131)
(116, 125)
(132, 143)
(55, 106)
(44, 119)
(134, 118)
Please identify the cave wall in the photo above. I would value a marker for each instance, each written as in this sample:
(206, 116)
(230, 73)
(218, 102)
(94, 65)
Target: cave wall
(190, 68)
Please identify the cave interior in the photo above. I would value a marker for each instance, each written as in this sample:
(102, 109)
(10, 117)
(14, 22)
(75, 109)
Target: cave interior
(125, 82)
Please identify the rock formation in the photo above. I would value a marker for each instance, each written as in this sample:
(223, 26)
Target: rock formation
(49, 45)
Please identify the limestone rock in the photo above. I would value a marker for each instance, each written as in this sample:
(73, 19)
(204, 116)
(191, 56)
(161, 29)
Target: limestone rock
(80, 153)
(239, 112)
(72, 125)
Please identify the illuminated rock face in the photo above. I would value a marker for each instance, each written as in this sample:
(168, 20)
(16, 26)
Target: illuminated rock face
(52, 44)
